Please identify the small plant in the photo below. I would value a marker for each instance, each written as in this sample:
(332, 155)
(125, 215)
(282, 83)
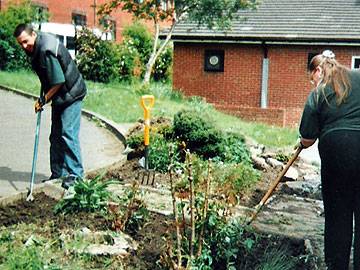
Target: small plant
(27, 258)
(235, 149)
(276, 259)
(136, 140)
(88, 195)
(230, 180)
(159, 158)
(282, 157)
(132, 211)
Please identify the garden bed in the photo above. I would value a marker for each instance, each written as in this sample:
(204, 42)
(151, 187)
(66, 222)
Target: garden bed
(21, 220)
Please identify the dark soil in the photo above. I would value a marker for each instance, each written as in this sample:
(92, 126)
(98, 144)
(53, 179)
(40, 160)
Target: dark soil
(150, 237)
(41, 211)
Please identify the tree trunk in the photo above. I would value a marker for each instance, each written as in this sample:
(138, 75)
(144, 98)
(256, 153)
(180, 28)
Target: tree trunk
(156, 52)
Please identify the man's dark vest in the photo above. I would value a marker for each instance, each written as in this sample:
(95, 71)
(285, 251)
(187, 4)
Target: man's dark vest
(74, 87)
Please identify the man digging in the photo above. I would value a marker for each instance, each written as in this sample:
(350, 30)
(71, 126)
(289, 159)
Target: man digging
(63, 86)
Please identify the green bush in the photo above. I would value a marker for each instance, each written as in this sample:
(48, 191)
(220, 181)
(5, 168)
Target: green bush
(11, 55)
(139, 38)
(136, 140)
(162, 69)
(130, 65)
(138, 43)
(199, 136)
(234, 179)
(159, 153)
(98, 60)
(235, 149)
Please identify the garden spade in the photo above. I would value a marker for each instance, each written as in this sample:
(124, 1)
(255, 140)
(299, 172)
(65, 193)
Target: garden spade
(30, 197)
(147, 102)
(273, 186)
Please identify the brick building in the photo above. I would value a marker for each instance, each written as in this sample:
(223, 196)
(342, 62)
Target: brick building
(79, 12)
(258, 69)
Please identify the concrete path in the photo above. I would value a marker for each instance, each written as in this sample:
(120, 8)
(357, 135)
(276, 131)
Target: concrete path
(99, 146)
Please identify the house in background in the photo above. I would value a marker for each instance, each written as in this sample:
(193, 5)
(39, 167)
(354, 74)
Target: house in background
(257, 70)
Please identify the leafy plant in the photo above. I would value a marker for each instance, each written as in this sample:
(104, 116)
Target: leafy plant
(159, 158)
(27, 258)
(130, 65)
(87, 195)
(282, 157)
(136, 140)
(138, 38)
(162, 68)
(98, 60)
(232, 179)
(235, 149)
(132, 211)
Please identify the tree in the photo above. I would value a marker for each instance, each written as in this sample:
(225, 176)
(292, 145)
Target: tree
(12, 57)
(212, 13)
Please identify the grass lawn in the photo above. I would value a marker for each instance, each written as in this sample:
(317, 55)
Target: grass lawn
(120, 102)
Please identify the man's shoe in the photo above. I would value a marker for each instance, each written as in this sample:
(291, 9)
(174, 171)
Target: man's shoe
(68, 181)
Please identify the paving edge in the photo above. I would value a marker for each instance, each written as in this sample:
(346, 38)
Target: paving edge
(108, 124)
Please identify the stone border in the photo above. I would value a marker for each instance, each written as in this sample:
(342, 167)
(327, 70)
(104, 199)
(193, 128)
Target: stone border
(108, 124)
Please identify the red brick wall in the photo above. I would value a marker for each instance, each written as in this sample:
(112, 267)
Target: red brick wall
(238, 88)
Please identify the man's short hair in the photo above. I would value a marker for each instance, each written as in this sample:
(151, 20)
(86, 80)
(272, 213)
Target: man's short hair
(23, 27)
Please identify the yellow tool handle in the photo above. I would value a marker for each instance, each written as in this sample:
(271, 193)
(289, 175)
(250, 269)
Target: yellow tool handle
(147, 102)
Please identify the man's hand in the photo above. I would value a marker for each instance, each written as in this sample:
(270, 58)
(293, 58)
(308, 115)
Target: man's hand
(39, 104)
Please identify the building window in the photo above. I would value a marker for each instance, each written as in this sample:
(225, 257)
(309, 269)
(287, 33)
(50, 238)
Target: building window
(214, 60)
(355, 62)
(310, 57)
(78, 19)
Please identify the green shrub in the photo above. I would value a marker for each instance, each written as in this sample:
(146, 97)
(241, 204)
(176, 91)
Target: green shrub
(159, 153)
(136, 140)
(129, 65)
(11, 55)
(233, 179)
(138, 38)
(98, 60)
(235, 149)
(199, 136)
(138, 43)
(162, 69)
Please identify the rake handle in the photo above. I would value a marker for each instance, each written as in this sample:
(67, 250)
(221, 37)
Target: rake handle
(36, 145)
(274, 185)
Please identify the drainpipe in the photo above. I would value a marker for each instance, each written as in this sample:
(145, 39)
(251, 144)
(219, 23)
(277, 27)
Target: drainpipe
(265, 78)
(94, 13)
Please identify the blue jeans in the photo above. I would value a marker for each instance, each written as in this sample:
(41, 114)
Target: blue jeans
(65, 153)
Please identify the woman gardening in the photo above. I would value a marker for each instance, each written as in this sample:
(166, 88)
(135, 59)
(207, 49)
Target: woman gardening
(332, 115)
